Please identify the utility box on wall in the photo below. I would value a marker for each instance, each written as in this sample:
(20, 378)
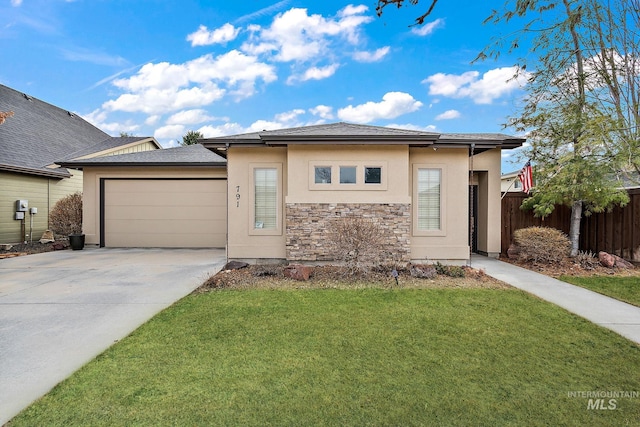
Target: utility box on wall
(22, 205)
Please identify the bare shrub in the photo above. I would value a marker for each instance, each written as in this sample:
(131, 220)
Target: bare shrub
(66, 216)
(542, 244)
(587, 260)
(358, 243)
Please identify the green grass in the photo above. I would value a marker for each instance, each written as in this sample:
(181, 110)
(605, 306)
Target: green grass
(622, 288)
(374, 357)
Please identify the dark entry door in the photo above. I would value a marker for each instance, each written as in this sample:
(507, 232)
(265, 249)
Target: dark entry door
(473, 218)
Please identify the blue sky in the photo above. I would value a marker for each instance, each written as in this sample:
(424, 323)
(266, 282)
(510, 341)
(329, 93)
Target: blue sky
(160, 68)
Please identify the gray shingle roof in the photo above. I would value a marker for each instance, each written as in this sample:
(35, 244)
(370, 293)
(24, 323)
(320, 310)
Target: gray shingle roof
(39, 133)
(347, 133)
(191, 155)
(110, 143)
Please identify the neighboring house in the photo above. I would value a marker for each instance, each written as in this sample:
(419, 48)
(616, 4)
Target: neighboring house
(281, 189)
(31, 141)
(509, 182)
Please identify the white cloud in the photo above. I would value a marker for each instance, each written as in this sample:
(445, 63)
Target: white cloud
(98, 118)
(152, 120)
(189, 117)
(408, 126)
(170, 131)
(428, 28)
(16, 3)
(323, 111)
(204, 37)
(296, 36)
(221, 130)
(448, 115)
(493, 84)
(315, 73)
(377, 55)
(289, 116)
(165, 87)
(393, 104)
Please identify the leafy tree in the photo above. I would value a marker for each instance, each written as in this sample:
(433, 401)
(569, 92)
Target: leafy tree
(191, 138)
(4, 115)
(125, 134)
(570, 134)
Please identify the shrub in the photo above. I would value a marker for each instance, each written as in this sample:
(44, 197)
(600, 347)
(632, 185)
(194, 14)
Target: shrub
(66, 216)
(358, 243)
(449, 270)
(587, 260)
(542, 244)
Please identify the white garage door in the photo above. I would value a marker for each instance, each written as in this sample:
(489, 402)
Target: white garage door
(165, 213)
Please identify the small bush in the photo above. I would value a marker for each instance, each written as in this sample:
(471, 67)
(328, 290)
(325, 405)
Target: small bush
(587, 260)
(66, 216)
(358, 243)
(542, 244)
(449, 270)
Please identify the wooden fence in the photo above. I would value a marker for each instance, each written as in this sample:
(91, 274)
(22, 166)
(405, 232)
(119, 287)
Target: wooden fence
(616, 232)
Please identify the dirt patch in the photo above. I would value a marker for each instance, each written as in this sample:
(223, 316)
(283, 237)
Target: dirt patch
(569, 267)
(21, 249)
(334, 277)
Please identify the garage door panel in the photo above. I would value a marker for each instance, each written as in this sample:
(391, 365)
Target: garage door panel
(165, 213)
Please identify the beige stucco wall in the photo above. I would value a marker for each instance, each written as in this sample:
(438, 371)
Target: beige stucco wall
(394, 161)
(91, 196)
(41, 192)
(243, 242)
(451, 242)
(487, 166)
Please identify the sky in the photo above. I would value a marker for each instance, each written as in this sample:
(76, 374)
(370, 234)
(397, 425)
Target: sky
(161, 68)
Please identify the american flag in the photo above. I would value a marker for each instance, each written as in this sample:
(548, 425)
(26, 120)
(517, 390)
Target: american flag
(526, 177)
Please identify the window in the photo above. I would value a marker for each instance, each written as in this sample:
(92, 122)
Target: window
(347, 174)
(429, 183)
(265, 198)
(323, 174)
(372, 175)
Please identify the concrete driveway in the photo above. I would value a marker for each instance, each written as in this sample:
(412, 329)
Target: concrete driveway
(59, 310)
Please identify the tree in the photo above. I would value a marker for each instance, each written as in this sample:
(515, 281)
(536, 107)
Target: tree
(398, 3)
(191, 138)
(125, 134)
(5, 115)
(570, 134)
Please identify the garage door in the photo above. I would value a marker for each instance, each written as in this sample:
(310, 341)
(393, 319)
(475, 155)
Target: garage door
(164, 213)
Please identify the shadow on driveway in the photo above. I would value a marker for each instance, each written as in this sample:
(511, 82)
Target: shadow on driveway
(59, 310)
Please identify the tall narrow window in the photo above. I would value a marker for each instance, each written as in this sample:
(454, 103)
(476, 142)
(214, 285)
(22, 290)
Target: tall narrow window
(429, 183)
(266, 198)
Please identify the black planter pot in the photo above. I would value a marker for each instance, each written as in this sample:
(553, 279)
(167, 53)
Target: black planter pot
(76, 241)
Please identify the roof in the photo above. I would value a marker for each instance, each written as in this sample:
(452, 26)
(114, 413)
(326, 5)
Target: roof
(39, 133)
(191, 155)
(342, 133)
(111, 143)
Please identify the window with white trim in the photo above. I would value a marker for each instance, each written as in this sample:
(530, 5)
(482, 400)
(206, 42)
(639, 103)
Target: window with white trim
(348, 174)
(429, 185)
(372, 175)
(265, 198)
(322, 174)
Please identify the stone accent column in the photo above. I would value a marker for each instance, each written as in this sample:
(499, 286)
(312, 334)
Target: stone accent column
(308, 225)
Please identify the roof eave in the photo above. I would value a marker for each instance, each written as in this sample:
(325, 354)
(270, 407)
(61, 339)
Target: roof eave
(53, 173)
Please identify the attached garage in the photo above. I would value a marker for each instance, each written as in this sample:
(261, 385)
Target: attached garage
(169, 198)
(167, 213)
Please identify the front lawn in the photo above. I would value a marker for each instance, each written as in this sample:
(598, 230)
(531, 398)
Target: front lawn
(354, 357)
(625, 289)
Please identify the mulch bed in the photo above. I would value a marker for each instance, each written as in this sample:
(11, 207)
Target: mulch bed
(568, 267)
(335, 277)
(20, 249)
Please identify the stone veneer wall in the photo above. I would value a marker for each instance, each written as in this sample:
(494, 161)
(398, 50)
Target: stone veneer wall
(308, 226)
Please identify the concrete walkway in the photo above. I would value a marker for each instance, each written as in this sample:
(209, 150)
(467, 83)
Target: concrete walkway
(59, 310)
(610, 313)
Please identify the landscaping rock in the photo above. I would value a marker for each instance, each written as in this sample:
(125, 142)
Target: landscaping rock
(423, 271)
(607, 260)
(298, 272)
(611, 261)
(47, 237)
(6, 247)
(58, 246)
(235, 265)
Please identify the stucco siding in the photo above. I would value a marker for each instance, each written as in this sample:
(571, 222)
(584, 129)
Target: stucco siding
(242, 243)
(489, 206)
(451, 242)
